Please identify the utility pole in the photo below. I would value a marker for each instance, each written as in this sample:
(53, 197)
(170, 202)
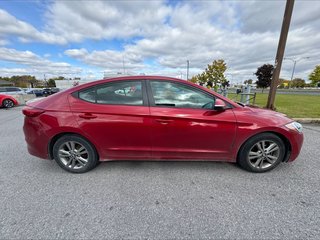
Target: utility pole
(280, 53)
(45, 80)
(124, 69)
(188, 69)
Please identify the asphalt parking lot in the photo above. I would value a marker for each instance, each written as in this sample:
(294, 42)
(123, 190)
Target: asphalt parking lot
(155, 200)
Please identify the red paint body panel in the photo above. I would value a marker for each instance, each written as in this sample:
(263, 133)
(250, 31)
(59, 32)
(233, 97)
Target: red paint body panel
(122, 132)
(41, 129)
(192, 133)
(252, 121)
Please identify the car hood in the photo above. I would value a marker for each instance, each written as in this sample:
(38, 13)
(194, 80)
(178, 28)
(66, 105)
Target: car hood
(262, 116)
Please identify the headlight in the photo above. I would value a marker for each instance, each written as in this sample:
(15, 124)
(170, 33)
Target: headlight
(294, 126)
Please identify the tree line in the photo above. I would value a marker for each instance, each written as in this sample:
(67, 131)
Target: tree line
(214, 77)
(26, 81)
(264, 76)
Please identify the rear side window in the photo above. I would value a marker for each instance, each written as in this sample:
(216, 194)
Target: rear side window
(88, 95)
(123, 93)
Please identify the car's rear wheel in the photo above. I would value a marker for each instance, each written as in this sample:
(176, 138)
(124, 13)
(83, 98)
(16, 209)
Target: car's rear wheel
(75, 154)
(7, 103)
(261, 153)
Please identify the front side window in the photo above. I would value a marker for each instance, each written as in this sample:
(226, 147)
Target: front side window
(180, 95)
(124, 93)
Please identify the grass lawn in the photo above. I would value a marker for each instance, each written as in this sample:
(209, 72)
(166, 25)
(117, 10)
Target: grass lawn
(298, 106)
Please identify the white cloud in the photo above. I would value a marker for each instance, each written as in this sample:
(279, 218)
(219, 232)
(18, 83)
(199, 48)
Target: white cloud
(263, 16)
(108, 59)
(13, 71)
(244, 33)
(77, 21)
(33, 64)
(10, 25)
(3, 42)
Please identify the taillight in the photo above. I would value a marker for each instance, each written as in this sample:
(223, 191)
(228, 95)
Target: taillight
(32, 112)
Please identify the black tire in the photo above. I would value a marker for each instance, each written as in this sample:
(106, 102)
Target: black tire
(74, 160)
(7, 103)
(253, 159)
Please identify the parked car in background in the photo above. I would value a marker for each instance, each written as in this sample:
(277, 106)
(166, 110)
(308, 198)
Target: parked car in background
(54, 90)
(11, 90)
(37, 92)
(7, 101)
(49, 91)
(46, 92)
(156, 118)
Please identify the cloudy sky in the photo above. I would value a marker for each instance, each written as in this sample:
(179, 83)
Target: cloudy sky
(92, 38)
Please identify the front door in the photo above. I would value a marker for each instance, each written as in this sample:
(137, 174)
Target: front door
(184, 125)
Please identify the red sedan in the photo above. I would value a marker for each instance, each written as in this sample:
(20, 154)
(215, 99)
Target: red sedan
(156, 118)
(7, 101)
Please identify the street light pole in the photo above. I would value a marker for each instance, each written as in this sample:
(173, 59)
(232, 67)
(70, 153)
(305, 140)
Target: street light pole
(188, 70)
(294, 64)
(294, 67)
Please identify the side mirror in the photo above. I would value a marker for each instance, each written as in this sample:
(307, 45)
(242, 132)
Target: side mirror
(220, 105)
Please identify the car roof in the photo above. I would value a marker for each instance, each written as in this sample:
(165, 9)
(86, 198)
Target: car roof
(127, 78)
(142, 77)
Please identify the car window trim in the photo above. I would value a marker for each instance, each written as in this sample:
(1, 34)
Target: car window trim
(152, 102)
(145, 101)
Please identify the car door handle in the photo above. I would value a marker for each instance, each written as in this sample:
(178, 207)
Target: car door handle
(87, 116)
(164, 121)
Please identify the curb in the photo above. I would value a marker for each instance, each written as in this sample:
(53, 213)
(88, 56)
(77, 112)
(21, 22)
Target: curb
(307, 120)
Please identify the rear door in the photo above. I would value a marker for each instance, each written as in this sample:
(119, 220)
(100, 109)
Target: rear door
(185, 126)
(115, 116)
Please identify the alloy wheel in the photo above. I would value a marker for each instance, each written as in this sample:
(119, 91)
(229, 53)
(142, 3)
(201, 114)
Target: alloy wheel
(264, 154)
(73, 155)
(7, 103)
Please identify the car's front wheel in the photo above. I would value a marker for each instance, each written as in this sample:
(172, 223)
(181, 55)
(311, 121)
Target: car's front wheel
(7, 103)
(75, 154)
(261, 153)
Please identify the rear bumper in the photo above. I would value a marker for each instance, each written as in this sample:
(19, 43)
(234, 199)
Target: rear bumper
(36, 139)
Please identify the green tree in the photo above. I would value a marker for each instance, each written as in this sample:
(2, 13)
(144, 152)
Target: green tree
(283, 83)
(315, 75)
(194, 79)
(249, 81)
(264, 75)
(58, 78)
(298, 83)
(202, 78)
(32, 81)
(24, 81)
(215, 73)
(51, 83)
